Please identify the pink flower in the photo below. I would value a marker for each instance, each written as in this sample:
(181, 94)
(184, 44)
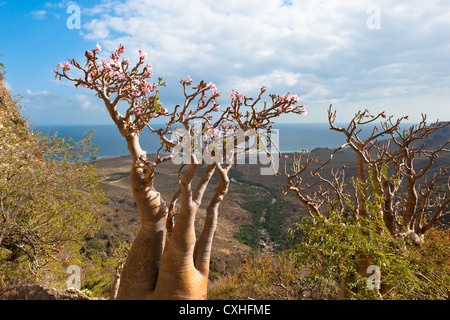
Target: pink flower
(97, 48)
(147, 87)
(242, 96)
(149, 66)
(142, 55)
(303, 110)
(188, 79)
(66, 66)
(115, 64)
(233, 94)
(164, 111)
(120, 50)
(215, 95)
(212, 86)
(60, 65)
(286, 157)
(293, 98)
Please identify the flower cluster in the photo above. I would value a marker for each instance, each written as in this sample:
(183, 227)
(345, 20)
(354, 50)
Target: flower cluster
(115, 80)
(129, 83)
(66, 66)
(236, 95)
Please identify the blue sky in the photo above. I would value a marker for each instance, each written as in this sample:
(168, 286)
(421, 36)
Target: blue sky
(381, 55)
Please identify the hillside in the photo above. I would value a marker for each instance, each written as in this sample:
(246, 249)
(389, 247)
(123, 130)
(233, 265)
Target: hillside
(122, 221)
(48, 202)
(254, 216)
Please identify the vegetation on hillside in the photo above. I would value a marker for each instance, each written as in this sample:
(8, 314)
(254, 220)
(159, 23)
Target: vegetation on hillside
(380, 233)
(49, 203)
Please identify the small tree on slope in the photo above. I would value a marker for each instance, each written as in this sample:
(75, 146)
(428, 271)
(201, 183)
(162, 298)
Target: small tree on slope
(400, 191)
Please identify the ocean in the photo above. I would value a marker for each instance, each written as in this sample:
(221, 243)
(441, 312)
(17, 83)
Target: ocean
(292, 137)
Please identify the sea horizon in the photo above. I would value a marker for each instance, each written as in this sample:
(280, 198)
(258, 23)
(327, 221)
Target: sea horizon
(293, 137)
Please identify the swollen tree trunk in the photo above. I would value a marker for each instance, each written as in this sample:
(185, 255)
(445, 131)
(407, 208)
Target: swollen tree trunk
(178, 277)
(169, 265)
(184, 266)
(140, 272)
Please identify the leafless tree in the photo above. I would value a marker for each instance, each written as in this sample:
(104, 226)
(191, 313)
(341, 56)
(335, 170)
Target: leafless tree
(394, 170)
(409, 213)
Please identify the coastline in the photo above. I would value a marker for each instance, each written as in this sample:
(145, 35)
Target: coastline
(101, 158)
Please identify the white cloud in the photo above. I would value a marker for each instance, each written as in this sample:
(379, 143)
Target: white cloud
(322, 50)
(54, 5)
(39, 14)
(42, 93)
(277, 79)
(60, 4)
(46, 100)
(38, 100)
(85, 102)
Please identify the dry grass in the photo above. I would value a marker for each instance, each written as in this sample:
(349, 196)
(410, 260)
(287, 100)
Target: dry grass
(266, 277)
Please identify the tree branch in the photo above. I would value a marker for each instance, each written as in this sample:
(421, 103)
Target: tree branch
(203, 246)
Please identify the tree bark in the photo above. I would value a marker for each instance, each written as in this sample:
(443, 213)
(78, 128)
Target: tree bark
(116, 283)
(202, 251)
(361, 187)
(184, 266)
(140, 271)
(343, 288)
(169, 265)
(178, 278)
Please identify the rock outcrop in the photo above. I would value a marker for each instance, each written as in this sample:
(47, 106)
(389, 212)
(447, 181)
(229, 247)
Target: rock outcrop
(37, 292)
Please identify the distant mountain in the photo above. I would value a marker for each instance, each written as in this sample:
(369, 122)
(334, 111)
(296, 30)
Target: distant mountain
(437, 139)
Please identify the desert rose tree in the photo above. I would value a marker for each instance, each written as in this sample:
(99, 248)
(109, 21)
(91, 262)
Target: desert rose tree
(167, 260)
